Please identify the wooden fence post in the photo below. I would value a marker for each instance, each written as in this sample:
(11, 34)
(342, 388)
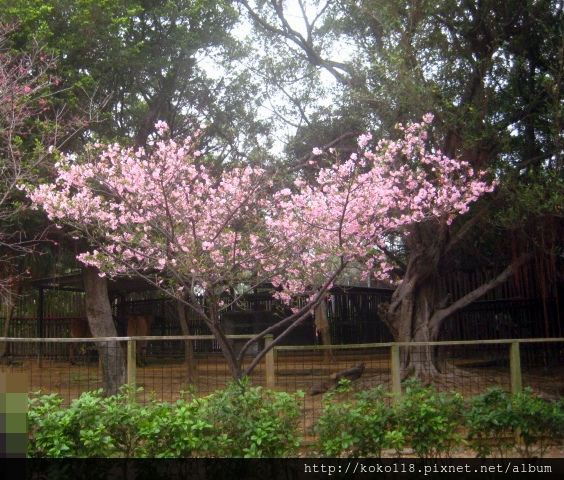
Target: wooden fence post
(131, 369)
(41, 325)
(515, 368)
(516, 379)
(395, 370)
(269, 360)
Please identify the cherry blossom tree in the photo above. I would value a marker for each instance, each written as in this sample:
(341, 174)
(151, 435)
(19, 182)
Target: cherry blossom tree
(25, 135)
(162, 214)
(31, 122)
(34, 125)
(399, 190)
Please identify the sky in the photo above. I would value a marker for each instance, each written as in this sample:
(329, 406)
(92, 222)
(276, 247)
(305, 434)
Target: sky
(294, 16)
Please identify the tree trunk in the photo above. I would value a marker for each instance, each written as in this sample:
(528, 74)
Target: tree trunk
(323, 330)
(408, 317)
(99, 313)
(10, 302)
(416, 299)
(188, 345)
(233, 363)
(417, 312)
(208, 312)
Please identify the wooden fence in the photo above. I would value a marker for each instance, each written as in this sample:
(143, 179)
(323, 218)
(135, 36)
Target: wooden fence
(274, 377)
(352, 318)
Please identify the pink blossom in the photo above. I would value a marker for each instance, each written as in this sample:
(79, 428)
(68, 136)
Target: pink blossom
(364, 139)
(167, 212)
(161, 127)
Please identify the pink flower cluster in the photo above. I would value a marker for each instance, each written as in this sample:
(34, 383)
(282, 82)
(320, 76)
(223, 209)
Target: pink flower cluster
(160, 210)
(348, 213)
(164, 211)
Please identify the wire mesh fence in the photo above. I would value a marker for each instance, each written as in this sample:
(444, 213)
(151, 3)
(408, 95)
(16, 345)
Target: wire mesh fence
(468, 367)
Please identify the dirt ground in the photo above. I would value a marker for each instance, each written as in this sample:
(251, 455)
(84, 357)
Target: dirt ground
(167, 379)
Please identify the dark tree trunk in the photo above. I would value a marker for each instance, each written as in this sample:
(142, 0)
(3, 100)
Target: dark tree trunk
(99, 313)
(157, 106)
(188, 345)
(408, 316)
(417, 298)
(323, 330)
(210, 315)
(226, 347)
(418, 308)
(10, 302)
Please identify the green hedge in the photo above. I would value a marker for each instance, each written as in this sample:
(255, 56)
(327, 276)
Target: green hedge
(238, 422)
(245, 421)
(430, 422)
(436, 424)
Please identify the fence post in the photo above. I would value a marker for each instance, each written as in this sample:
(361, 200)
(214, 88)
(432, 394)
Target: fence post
(395, 368)
(269, 360)
(516, 379)
(515, 368)
(131, 369)
(41, 325)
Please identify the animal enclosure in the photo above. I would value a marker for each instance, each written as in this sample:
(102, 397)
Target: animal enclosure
(468, 367)
(357, 335)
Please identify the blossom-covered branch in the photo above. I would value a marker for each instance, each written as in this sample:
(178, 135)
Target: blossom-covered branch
(188, 229)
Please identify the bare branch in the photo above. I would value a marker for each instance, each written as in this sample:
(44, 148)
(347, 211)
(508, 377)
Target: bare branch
(306, 45)
(440, 315)
(306, 159)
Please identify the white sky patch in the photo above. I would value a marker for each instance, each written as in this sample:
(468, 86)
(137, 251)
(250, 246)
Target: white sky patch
(294, 16)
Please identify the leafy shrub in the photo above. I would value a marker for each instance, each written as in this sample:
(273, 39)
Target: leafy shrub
(434, 423)
(178, 430)
(245, 421)
(44, 429)
(336, 427)
(540, 423)
(92, 426)
(122, 421)
(238, 422)
(76, 431)
(252, 422)
(358, 427)
(491, 421)
(430, 419)
(497, 419)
